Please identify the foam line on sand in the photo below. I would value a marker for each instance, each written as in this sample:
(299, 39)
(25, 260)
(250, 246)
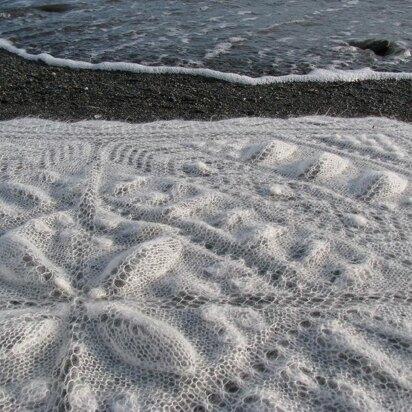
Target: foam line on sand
(317, 75)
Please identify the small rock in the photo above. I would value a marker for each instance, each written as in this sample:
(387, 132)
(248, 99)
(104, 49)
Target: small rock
(54, 8)
(381, 47)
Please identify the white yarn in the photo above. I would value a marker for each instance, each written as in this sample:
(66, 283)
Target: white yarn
(242, 265)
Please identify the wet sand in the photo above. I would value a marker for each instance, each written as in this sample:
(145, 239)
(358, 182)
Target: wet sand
(34, 89)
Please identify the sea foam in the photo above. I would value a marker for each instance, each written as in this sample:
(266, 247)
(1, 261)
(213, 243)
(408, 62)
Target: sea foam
(317, 75)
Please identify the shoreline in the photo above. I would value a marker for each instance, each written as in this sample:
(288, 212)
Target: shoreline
(34, 89)
(316, 75)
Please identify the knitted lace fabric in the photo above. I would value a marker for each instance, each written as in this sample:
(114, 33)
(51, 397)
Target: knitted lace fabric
(244, 265)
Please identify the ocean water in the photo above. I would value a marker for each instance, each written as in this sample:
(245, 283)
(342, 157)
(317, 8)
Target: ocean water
(264, 37)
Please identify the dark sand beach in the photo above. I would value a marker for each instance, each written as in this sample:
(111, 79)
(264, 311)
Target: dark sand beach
(34, 89)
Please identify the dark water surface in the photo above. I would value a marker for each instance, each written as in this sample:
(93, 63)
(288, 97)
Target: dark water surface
(249, 37)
